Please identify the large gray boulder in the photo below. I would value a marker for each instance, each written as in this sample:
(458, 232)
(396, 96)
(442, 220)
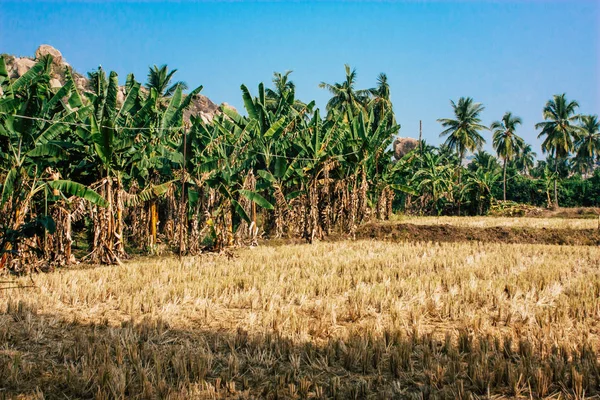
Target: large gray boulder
(403, 146)
(55, 83)
(22, 65)
(46, 49)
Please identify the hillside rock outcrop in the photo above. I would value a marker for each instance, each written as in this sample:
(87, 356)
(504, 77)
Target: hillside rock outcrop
(45, 50)
(403, 146)
(200, 106)
(22, 65)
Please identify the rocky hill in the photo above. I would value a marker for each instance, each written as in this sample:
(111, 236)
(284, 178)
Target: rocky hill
(403, 146)
(17, 66)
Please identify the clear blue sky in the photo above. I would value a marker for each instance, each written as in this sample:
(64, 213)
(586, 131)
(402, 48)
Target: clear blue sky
(510, 55)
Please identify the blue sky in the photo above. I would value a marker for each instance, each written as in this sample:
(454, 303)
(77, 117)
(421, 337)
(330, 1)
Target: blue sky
(509, 55)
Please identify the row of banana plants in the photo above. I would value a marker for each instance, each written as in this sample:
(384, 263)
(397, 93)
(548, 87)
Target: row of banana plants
(129, 168)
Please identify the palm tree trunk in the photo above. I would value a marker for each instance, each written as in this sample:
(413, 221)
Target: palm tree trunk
(504, 179)
(460, 160)
(555, 182)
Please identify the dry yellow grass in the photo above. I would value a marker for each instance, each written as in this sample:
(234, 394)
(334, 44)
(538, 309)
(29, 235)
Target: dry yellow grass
(514, 222)
(364, 319)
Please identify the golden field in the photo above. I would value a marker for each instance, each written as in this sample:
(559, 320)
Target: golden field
(513, 222)
(348, 319)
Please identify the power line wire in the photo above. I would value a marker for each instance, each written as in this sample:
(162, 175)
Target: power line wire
(81, 124)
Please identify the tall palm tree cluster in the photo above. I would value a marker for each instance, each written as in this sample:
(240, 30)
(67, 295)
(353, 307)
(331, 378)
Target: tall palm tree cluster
(571, 140)
(121, 169)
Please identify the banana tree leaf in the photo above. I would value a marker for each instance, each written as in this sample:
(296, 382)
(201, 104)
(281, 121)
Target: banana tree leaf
(3, 70)
(171, 110)
(184, 105)
(173, 156)
(103, 141)
(293, 195)
(132, 95)
(47, 150)
(60, 93)
(249, 103)
(263, 185)
(281, 167)
(8, 186)
(261, 93)
(275, 129)
(208, 166)
(110, 104)
(193, 197)
(266, 175)
(56, 128)
(8, 105)
(78, 190)
(28, 77)
(75, 100)
(256, 198)
(149, 194)
(235, 117)
(240, 210)
(403, 188)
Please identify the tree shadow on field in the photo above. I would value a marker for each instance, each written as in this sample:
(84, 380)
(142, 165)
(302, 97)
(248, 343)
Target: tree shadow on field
(45, 356)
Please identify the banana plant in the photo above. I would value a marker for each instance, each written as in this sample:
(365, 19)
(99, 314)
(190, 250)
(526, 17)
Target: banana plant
(434, 181)
(479, 185)
(34, 121)
(317, 156)
(368, 140)
(158, 151)
(108, 148)
(220, 163)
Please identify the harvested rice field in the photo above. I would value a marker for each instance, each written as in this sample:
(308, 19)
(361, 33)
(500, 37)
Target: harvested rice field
(513, 222)
(346, 319)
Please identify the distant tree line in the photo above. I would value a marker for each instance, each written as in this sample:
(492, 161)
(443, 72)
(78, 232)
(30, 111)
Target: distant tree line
(446, 184)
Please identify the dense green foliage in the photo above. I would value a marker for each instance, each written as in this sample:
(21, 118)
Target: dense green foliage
(123, 164)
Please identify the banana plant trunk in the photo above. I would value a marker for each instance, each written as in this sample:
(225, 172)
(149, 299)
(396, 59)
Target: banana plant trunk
(20, 211)
(107, 243)
(353, 206)
(58, 248)
(390, 200)
(153, 215)
(253, 226)
(363, 200)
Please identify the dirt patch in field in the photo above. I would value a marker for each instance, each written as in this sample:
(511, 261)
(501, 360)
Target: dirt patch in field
(450, 233)
(576, 212)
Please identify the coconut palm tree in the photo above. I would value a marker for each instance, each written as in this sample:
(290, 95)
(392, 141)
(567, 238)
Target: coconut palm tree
(483, 159)
(525, 160)
(463, 131)
(381, 102)
(506, 142)
(588, 143)
(345, 96)
(559, 131)
(282, 94)
(159, 78)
